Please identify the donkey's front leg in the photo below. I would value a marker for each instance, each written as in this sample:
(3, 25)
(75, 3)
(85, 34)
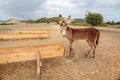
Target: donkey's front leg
(94, 49)
(71, 49)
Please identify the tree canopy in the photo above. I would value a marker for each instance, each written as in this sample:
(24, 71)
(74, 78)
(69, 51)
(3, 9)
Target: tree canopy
(94, 18)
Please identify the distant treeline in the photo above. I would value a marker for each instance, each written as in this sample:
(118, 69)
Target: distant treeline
(75, 22)
(44, 20)
(113, 23)
(55, 19)
(91, 19)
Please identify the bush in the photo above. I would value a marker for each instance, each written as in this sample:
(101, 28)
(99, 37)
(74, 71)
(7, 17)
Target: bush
(54, 19)
(6, 23)
(47, 20)
(42, 20)
(80, 24)
(113, 23)
(94, 19)
(104, 25)
(78, 20)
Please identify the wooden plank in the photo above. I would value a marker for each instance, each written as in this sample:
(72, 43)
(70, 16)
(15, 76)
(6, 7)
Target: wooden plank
(31, 32)
(22, 36)
(30, 48)
(27, 54)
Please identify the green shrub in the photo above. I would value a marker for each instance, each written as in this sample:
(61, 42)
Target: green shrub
(94, 19)
(42, 20)
(80, 24)
(104, 25)
(47, 20)
(113, 23)
(6, 23)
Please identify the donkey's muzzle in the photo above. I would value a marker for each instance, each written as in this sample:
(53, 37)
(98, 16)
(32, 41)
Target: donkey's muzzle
(63, 35)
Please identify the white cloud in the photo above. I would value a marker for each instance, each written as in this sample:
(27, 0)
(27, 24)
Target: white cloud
(27, 9)
(60, 3)
(107, 2)
(64, 7)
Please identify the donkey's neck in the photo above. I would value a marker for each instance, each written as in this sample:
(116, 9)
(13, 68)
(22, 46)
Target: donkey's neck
(69, 33)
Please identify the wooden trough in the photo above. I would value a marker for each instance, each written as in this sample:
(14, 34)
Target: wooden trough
(25, 34)
(31, 32)
(16, 54)
(22, 36)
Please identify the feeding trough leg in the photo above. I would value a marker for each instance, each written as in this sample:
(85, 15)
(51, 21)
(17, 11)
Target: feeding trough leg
(39, 63)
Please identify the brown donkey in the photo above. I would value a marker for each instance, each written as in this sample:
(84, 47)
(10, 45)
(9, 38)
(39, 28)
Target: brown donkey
(89, 34)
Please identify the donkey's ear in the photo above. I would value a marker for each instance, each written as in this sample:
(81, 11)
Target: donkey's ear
(60, 17)
(68, 18)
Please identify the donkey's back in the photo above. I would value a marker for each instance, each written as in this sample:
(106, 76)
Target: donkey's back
(84, 33)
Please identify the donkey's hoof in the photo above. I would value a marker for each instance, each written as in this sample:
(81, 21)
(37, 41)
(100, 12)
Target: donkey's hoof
(92, 57)
(71, 55)
(85, 55)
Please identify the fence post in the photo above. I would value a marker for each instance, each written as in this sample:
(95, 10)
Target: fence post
(38, 65)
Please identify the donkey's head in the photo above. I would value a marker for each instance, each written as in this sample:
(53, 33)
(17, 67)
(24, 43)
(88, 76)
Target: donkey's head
(63, 24)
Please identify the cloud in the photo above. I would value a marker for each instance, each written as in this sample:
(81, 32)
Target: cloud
(21, 8)
(65, 7)
(34, 9)
(60, 3)
(58, 6)
(107, 2)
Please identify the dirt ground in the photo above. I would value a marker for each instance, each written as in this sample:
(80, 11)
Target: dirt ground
(105, 66)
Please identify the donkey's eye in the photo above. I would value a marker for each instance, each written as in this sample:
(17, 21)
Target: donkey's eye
(63, 24)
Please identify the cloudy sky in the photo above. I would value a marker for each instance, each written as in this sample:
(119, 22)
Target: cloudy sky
(34, 9)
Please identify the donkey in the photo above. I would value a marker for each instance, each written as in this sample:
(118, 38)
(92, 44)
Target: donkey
(91, 35)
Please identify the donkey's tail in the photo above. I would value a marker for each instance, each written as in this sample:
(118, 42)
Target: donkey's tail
(98, 37)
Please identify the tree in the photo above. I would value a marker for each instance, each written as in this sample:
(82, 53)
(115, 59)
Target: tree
(94, 18)
(113, 22)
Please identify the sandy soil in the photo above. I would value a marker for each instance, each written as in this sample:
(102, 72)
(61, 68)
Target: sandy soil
(105, 66)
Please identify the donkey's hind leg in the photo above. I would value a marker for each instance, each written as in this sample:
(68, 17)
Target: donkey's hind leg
(91, 47)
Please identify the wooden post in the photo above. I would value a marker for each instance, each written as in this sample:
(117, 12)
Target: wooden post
(38, 65)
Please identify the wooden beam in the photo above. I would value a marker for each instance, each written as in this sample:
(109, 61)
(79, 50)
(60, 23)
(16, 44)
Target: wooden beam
(31, 32)
(22, 36)
(38, 64)
(30, 48)
(8, 55)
